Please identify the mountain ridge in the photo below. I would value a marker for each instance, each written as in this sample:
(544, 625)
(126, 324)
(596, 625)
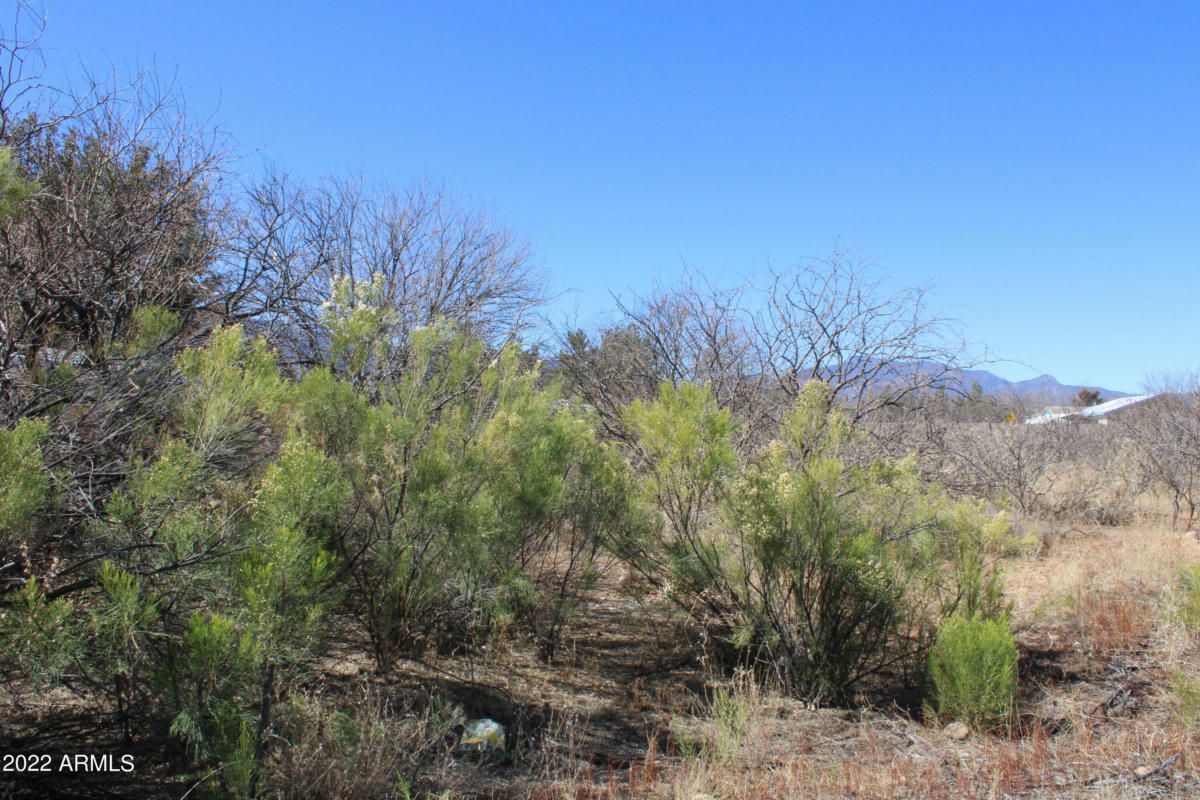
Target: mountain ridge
(1042, 387)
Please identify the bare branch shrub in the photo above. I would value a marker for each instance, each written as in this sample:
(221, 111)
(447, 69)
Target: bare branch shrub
(435, 257)
(834, 321)
(756, 347)
(1076, 470)
(1004, 461)
(689, 332)
(25, 96)
(1097, 480)
(126, 213)
(1166, 434)
(104, 267)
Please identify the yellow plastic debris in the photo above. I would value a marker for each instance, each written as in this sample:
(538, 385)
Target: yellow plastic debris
(482, 734)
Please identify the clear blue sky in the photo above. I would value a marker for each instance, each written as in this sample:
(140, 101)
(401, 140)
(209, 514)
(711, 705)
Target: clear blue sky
(1039, 162)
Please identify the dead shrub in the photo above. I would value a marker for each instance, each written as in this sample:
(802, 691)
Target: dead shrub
(1077, 472)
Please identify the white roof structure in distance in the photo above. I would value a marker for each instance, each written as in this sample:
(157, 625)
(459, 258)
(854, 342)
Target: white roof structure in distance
(1098, 410)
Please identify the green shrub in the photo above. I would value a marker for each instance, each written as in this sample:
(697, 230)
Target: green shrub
(443, 503)
(814, 572)
(149, 328)
(1187, 690)
(468, 487)
(1188, 607)
(973, 669)
(39, 635)
(24, 482)
(559, 494)
(730, 710)
(15, 190)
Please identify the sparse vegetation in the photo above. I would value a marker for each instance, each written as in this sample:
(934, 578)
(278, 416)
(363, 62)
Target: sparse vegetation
(1168, 445)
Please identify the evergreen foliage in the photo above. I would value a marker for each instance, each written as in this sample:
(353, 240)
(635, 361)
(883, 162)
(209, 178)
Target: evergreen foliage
(14, 189)
(825, 573)
(973, 668)
(24, 482)
(441, 506)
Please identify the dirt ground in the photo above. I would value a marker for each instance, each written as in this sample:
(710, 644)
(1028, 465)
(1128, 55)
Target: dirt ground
(1098, 716)
(626, 708)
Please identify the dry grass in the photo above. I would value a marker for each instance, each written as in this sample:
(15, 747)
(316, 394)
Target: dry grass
(1107, 667)
(1100, 717)
(1139, 561)
(1114, 623)
(1105, 493)
(820, 754)
(363, 744)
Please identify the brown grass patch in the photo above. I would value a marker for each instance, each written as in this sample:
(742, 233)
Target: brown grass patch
(1114, 623)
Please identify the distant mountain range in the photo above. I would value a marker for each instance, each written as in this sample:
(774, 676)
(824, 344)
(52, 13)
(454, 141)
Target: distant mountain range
(1042, 388)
